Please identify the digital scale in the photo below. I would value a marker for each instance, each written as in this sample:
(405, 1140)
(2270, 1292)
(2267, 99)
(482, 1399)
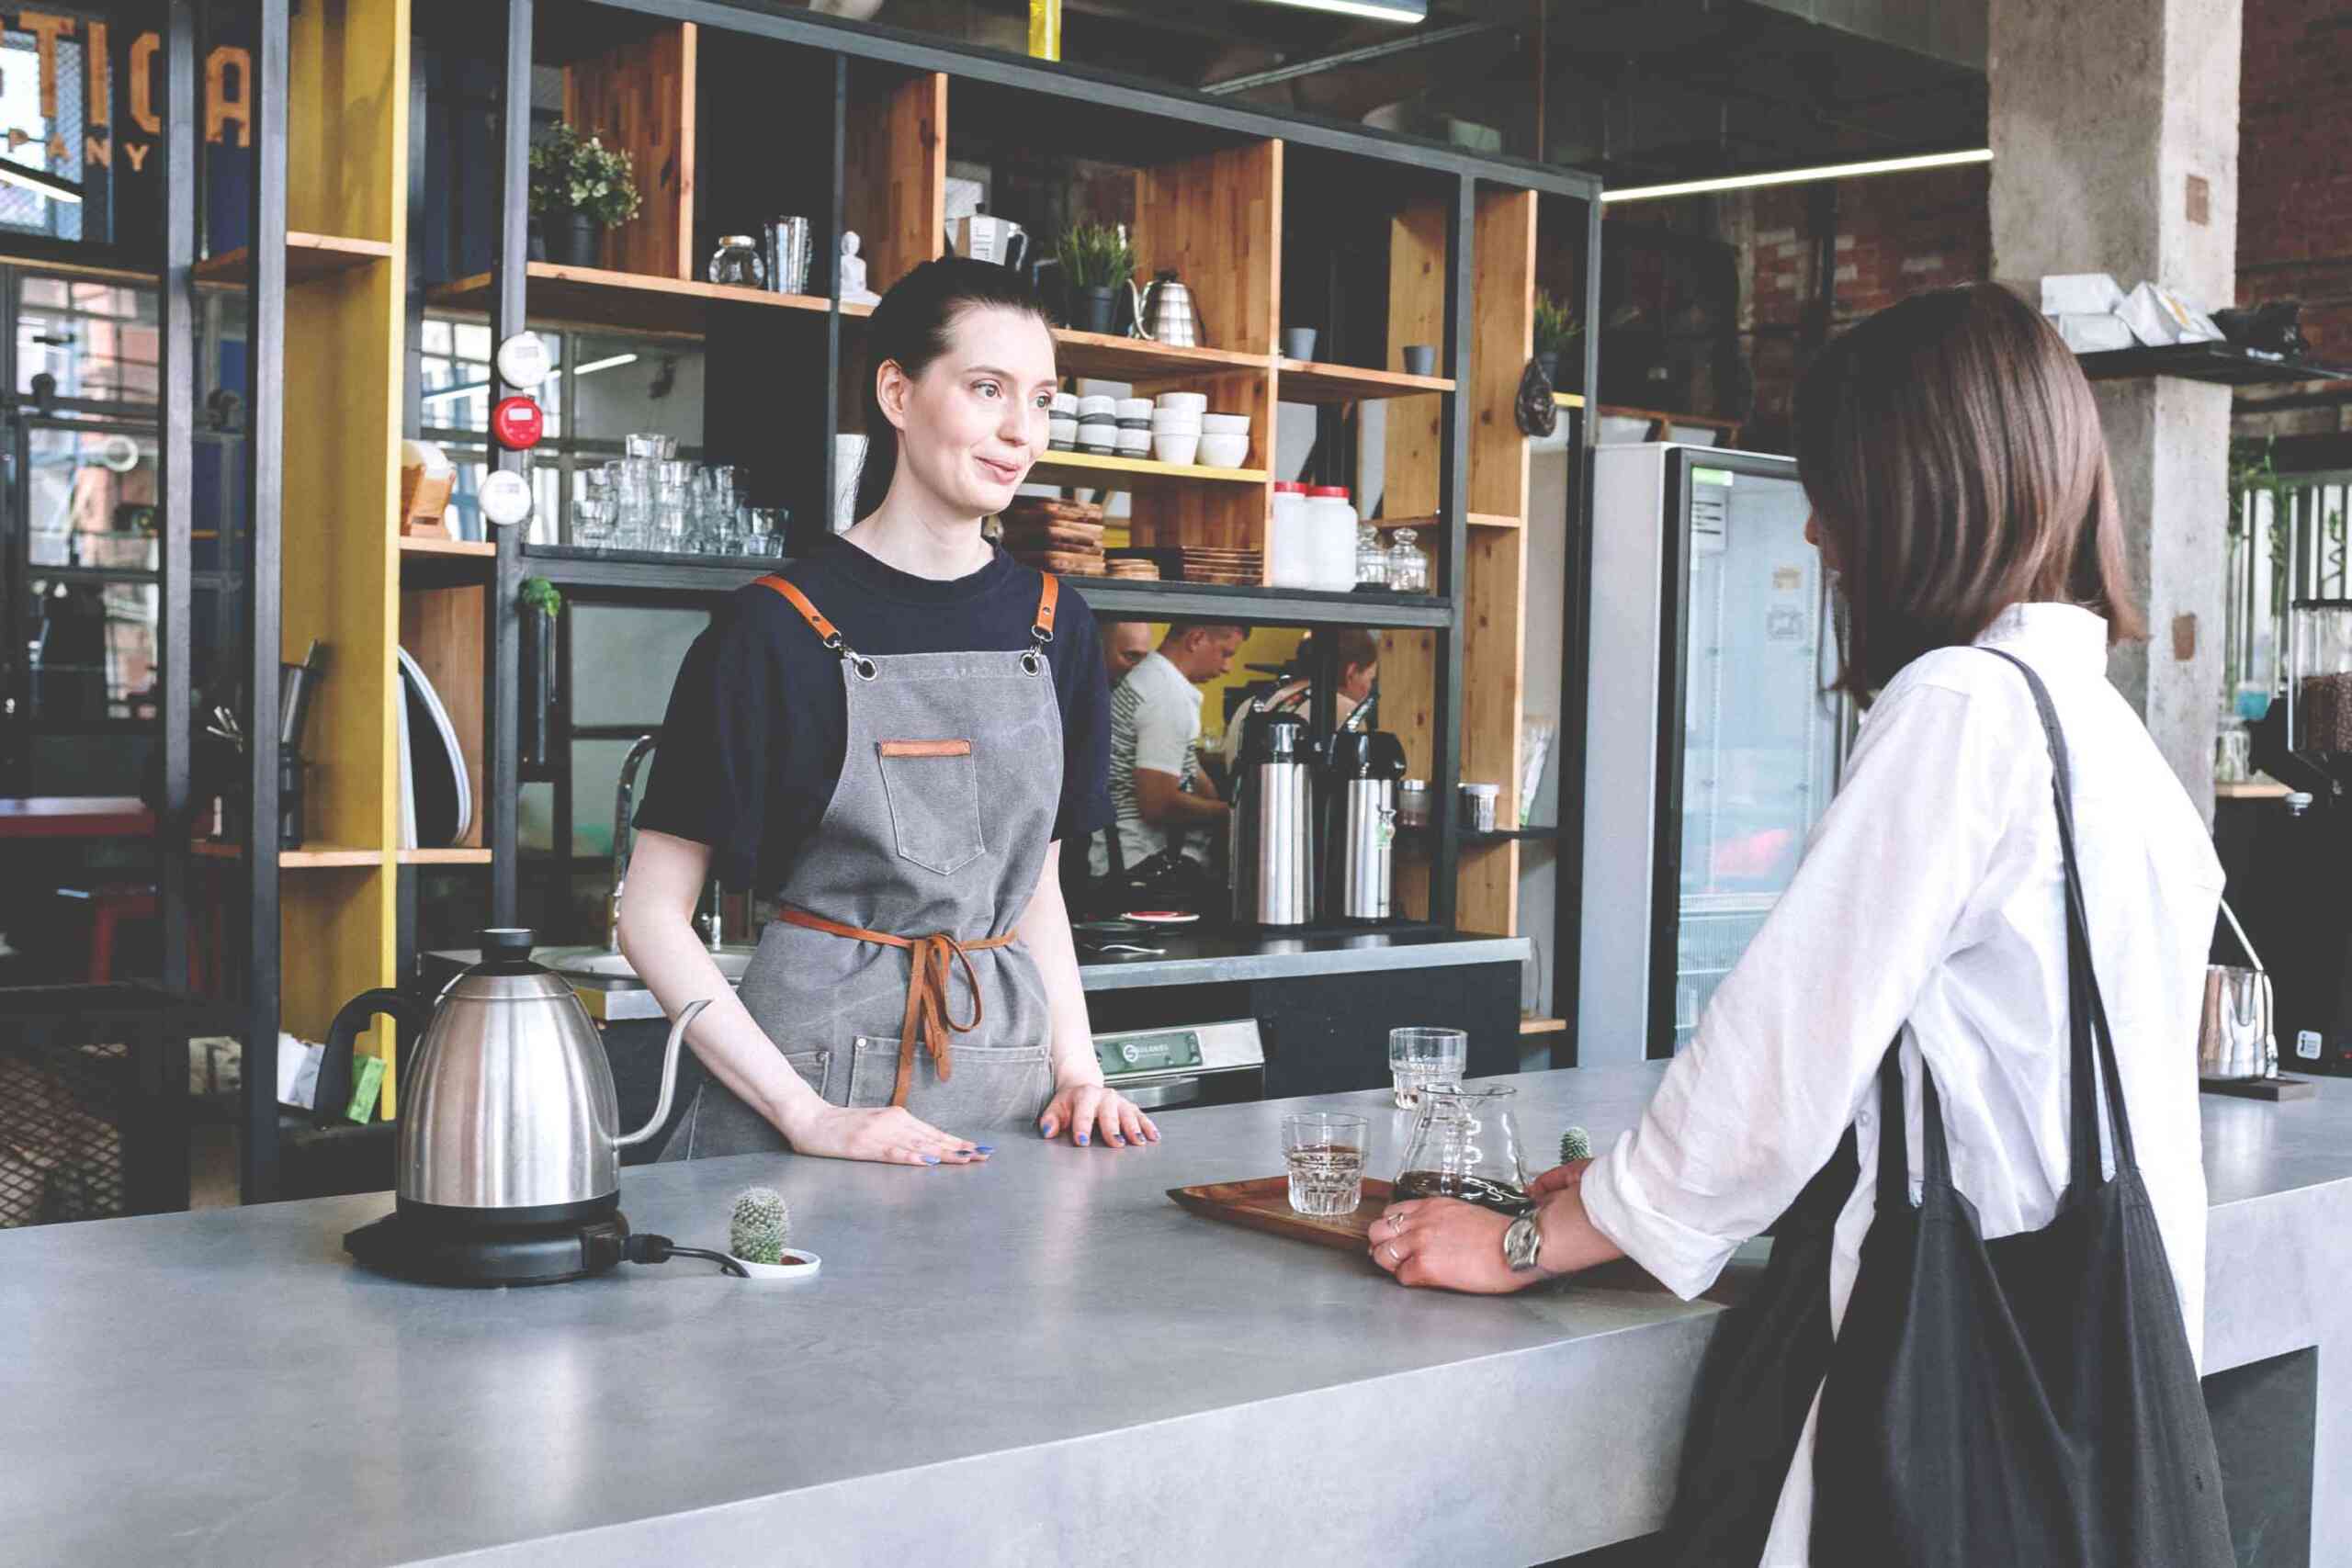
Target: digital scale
(1199, 1064)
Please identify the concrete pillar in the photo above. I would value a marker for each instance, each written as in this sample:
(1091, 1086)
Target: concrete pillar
(2115, 143)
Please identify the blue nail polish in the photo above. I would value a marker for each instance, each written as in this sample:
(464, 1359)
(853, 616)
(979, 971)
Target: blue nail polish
(985, 1148)
(1081, 1140)
(931, 1159)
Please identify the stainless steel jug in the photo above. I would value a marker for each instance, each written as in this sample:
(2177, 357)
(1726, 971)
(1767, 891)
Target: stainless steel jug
(2235, 1036)
(507, 1103)
(1365, 766)
(1164, 312)
(1273, 807)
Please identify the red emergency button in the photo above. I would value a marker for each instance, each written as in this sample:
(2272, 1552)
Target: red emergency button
(518, 424)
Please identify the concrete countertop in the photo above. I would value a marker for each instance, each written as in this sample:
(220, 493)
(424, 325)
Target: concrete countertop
(1189, 958)
(1041, 1360)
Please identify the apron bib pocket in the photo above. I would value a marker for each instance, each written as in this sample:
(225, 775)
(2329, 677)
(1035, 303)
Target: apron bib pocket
(934, 794)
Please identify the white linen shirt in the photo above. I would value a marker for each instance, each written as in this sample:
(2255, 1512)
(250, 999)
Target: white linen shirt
(1930, 900)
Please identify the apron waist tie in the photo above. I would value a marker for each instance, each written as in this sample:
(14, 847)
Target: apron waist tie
(928, 1018)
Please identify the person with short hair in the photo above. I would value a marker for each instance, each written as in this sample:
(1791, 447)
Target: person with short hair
(1358, 652)
(1125, 645)
(1163, 802)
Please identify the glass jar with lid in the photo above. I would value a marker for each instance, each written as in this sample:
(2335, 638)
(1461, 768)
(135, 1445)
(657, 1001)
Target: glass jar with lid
(1408, 564)
(2319, 676)
(1372, 558)
(736, 262)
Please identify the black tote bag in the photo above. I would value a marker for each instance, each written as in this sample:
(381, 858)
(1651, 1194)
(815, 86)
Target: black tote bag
(2027, 1400)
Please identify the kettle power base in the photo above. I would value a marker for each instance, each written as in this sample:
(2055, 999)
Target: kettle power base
(412, 1244)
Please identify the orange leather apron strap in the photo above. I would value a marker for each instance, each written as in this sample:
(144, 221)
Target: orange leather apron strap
(928, 1018)
(1047, 598)
(810, 612)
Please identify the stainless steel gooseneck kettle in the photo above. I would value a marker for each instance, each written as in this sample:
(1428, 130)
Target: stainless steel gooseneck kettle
(508, 1104)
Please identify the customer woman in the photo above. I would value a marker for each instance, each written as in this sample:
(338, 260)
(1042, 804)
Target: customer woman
(1952, 455)
(894, 738)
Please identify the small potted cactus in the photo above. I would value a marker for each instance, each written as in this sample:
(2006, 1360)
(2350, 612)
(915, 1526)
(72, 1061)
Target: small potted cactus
(757, 1232)
(1576, 1144)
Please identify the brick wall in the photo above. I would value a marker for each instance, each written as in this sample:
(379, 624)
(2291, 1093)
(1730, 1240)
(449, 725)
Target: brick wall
(2295, 170)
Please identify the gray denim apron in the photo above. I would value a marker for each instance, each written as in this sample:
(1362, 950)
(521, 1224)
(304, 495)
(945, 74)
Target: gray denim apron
(934, 839)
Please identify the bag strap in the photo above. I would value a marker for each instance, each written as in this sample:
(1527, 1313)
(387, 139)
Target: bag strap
(2092, 1040)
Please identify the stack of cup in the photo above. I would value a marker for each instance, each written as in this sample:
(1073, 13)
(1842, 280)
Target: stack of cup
(1422, 1057)
(1176, 428)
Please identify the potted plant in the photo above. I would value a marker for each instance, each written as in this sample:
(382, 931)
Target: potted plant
(1096, 265)
(757, 1229)
(578, 187)
(1555, 328)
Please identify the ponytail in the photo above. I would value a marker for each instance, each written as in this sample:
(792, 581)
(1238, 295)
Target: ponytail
(911, 326)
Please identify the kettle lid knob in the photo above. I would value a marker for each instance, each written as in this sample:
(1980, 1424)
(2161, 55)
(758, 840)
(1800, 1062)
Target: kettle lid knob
(506, 943)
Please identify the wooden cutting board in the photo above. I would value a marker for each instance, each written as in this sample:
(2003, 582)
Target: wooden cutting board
(1064, 563)
(1053, 537)
(1264, 1205)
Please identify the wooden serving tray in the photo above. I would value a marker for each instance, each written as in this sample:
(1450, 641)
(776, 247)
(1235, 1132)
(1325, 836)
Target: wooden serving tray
(1264, 1205)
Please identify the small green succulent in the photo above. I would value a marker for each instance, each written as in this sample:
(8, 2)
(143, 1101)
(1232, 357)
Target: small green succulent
(1576, 1144)
(571, 173)
(761, 1226)
(1095, 256)
(1555, 325)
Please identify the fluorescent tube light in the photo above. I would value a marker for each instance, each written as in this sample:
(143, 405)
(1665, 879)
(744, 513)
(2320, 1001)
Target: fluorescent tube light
(1801, 177)
(604, 364)
(1409, 12)
(445, 393)
(40, 180)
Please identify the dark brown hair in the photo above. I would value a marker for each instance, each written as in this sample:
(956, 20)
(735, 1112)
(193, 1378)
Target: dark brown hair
(1952, 453)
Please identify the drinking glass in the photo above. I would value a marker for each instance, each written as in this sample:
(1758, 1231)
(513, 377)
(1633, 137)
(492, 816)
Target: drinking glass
(1420, 1056)
(649, 448)
(1325, 1151)
(762, 531)
(592, 519)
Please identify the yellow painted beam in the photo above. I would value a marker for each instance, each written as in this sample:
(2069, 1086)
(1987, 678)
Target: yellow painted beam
(348, 177)
(1045, 30)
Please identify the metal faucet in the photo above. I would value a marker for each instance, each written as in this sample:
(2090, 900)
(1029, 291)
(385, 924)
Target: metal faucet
(712, 921)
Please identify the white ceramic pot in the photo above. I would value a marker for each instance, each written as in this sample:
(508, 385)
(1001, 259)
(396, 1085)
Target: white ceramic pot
(1178, 449)
(1105, 407)
(1135, 443)
(1225, 451)
(1134, 408)
(1225, 424)
(805, 1267)
(1165, 423)
(1189, 403)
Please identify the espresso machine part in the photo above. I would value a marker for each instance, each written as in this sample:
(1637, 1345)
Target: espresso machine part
(1274, 809)
(507, 1171)
(1366, 768)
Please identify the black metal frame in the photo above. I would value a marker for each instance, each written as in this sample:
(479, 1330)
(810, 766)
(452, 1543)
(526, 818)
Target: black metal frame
(1576, 664)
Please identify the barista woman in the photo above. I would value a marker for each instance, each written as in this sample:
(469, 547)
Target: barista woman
(895, 738)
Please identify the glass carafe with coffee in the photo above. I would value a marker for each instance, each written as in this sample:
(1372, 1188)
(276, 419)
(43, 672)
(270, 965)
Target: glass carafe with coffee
(1465, 1145)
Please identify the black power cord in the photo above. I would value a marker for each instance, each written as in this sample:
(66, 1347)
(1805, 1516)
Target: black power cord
(645, 1247)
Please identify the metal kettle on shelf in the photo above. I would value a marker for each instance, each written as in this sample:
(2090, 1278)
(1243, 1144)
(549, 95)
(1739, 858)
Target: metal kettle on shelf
(1167, 313)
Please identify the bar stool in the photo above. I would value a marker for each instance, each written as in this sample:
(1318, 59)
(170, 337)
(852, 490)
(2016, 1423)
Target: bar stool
(111, 905)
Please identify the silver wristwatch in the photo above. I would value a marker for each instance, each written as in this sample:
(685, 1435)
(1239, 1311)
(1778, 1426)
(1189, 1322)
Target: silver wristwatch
(1523, 1244)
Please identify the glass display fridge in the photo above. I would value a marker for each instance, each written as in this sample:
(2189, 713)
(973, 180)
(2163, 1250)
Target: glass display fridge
(1712, 738)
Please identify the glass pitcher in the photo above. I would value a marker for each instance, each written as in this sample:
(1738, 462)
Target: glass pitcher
(1465, 1145)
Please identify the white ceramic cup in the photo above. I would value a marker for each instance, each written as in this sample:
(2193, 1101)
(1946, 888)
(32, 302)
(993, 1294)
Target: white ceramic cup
(1193, 402)
(1134, 408)
(1108, 408)
(1179, 450)
(1225, 424)
(1224, 451)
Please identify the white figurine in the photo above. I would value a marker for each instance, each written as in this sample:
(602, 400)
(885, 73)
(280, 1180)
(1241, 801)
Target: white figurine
(853, 289)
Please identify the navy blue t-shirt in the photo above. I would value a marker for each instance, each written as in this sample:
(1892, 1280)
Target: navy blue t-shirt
(758, 723)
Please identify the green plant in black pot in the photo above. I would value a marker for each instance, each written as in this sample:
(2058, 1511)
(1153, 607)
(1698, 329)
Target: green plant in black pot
(578, 187)
(1096, 265)
(1557, 328)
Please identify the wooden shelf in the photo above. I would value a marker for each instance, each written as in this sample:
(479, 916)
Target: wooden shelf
(1304, 381)
(307, 258)
(1262, 606)
(1131, 359)
(589, 295)
(309, 857)
(1475, 519)
(1543, 1025)
(2223, 362)
(443, 857)
(1148, 468)
(2265, 788)
(446, 563)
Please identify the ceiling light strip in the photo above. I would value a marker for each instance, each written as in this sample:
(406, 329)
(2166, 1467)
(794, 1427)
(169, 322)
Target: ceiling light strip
(1801, 177)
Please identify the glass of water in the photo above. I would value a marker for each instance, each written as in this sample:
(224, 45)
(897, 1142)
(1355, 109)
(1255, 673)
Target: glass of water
(1325, 1151)
(1419, 1057)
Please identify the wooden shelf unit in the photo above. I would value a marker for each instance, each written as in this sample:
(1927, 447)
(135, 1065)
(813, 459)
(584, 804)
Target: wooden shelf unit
(1140, 359)
(309, 257)
(1305, 382)
(1147, 468)
(310, 857)
(623, 301)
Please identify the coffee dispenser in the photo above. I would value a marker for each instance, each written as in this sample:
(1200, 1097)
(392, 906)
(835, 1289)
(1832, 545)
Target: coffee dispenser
(1273, 811)
(1365, 766)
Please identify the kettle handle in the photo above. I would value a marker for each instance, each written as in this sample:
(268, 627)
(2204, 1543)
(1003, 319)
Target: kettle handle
(333, 1097)
(669, 1076)
(1135, 295)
